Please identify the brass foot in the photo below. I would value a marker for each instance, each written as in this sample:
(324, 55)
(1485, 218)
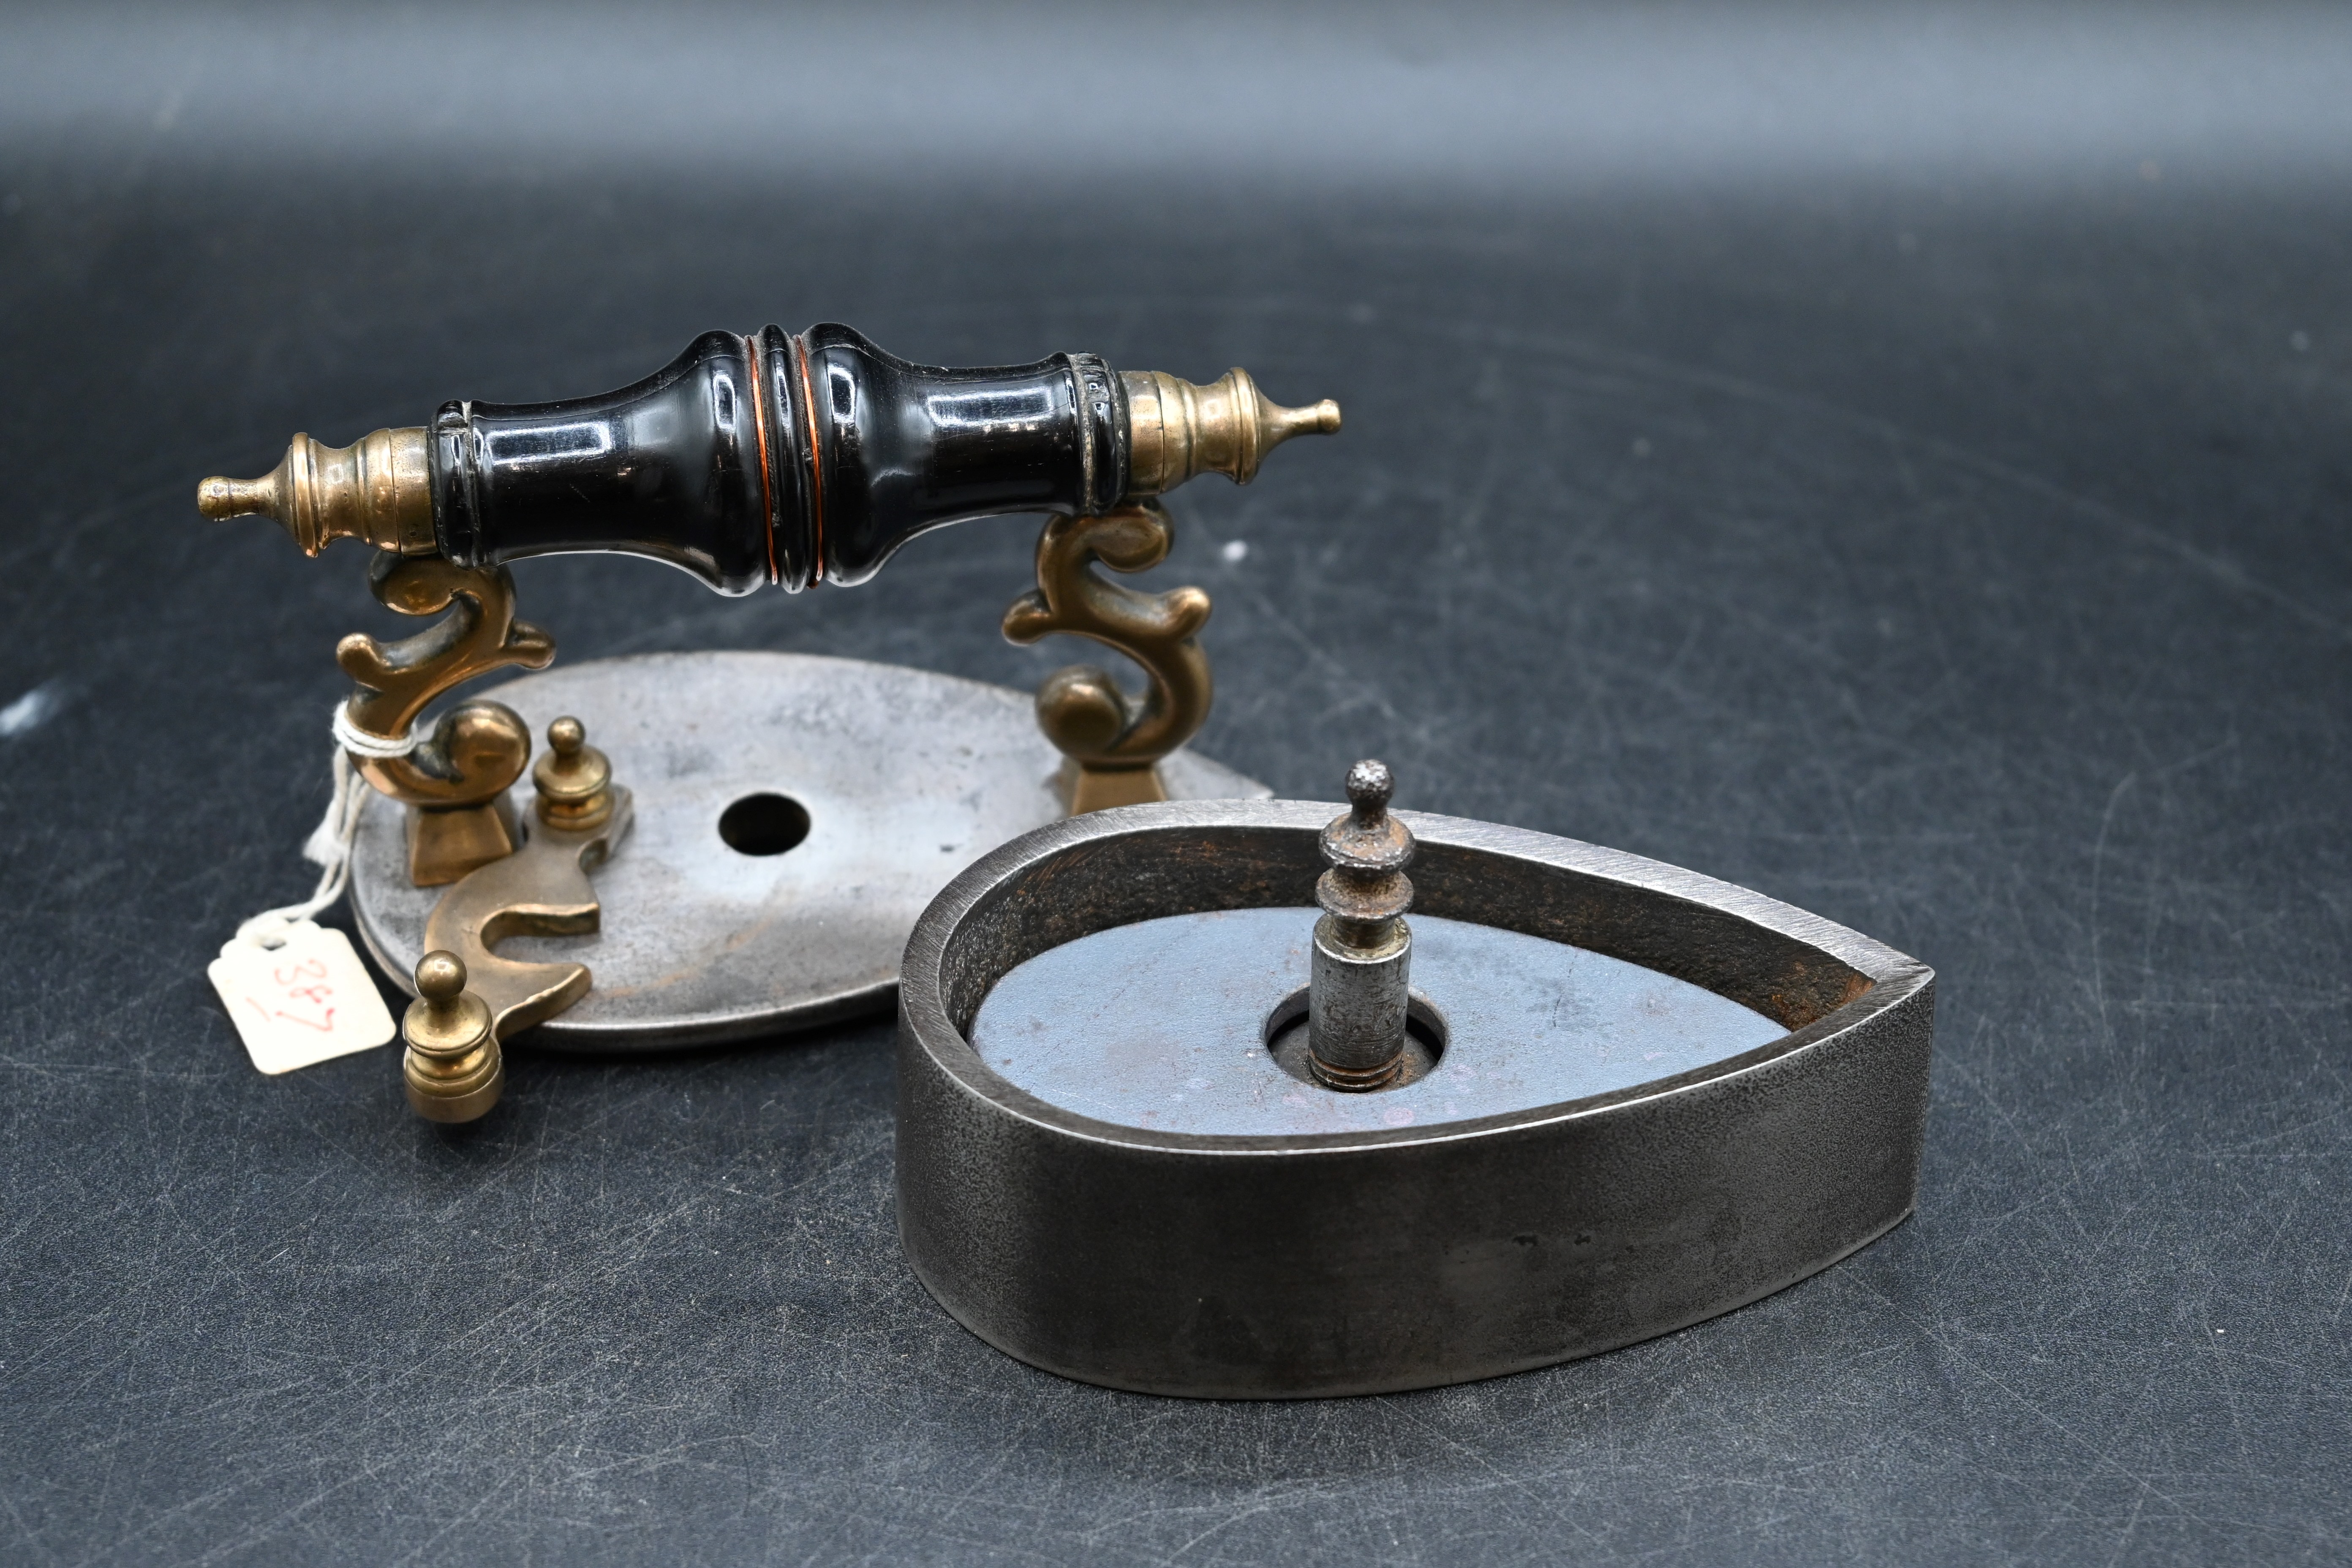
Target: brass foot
(445, 842)
(452, 1068)
(542, 890)
(1112, 742)
(1083, 789)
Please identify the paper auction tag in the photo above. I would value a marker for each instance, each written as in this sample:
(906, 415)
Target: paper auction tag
(306, 1002)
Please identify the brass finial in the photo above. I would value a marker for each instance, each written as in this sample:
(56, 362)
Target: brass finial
(573, 779)
(452, 1068)
(458, 775)
(378, 489)
(1176, 429)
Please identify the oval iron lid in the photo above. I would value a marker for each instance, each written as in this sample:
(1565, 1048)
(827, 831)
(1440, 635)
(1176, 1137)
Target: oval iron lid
(896, 779)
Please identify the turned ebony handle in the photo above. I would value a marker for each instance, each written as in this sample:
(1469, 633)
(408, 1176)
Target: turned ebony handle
(774, 457)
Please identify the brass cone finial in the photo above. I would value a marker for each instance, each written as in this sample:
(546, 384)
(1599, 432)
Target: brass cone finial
(1176, 429)
(453, 1069)
(575, 780)
(378, 490)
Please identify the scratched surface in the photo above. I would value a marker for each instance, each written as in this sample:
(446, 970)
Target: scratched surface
(1962, 556)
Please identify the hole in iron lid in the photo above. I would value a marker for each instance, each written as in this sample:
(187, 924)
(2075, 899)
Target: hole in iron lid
(1426, 1034)
(763, 824)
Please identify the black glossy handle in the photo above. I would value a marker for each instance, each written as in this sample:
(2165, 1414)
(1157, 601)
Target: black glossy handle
(777, 458)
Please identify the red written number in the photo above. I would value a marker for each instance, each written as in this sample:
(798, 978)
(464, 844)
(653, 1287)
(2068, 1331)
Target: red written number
(319, 1014)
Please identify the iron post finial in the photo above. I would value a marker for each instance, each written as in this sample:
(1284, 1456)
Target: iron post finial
(1362, 975)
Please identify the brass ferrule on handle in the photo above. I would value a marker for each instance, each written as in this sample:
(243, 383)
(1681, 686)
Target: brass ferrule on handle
(378, 490)
(1177, 430)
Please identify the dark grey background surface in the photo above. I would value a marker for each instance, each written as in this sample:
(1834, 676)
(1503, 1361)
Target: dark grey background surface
(1894, 458)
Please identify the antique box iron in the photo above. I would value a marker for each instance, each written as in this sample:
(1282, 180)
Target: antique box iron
(1163, 1127)
(1198, 1092)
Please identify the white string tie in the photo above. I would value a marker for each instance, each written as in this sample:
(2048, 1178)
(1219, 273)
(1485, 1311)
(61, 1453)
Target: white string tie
(330, 844)
(350, 737)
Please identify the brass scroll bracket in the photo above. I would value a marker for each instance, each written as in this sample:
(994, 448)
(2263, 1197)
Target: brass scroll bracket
(457, 778)
(1112, 743)
(542, 890)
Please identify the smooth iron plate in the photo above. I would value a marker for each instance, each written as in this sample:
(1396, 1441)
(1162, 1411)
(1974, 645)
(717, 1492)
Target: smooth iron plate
(906, 778)
(1163, 1023)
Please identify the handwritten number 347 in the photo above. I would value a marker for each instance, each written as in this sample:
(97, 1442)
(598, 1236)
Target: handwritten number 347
(320, 997)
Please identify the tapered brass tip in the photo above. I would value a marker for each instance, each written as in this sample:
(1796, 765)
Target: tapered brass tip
(1176, 429)
(379, 489)
(221, 499)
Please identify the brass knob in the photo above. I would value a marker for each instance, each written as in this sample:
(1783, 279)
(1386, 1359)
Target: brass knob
(452, 1068)
(1176, 429)
(378, 489)
(575, 780)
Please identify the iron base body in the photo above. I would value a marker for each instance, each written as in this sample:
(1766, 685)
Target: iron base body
(1397, 1257)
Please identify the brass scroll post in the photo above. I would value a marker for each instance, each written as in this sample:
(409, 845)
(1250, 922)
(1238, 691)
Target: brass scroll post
(1111, 743)
(457, 778)
(378, 490)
